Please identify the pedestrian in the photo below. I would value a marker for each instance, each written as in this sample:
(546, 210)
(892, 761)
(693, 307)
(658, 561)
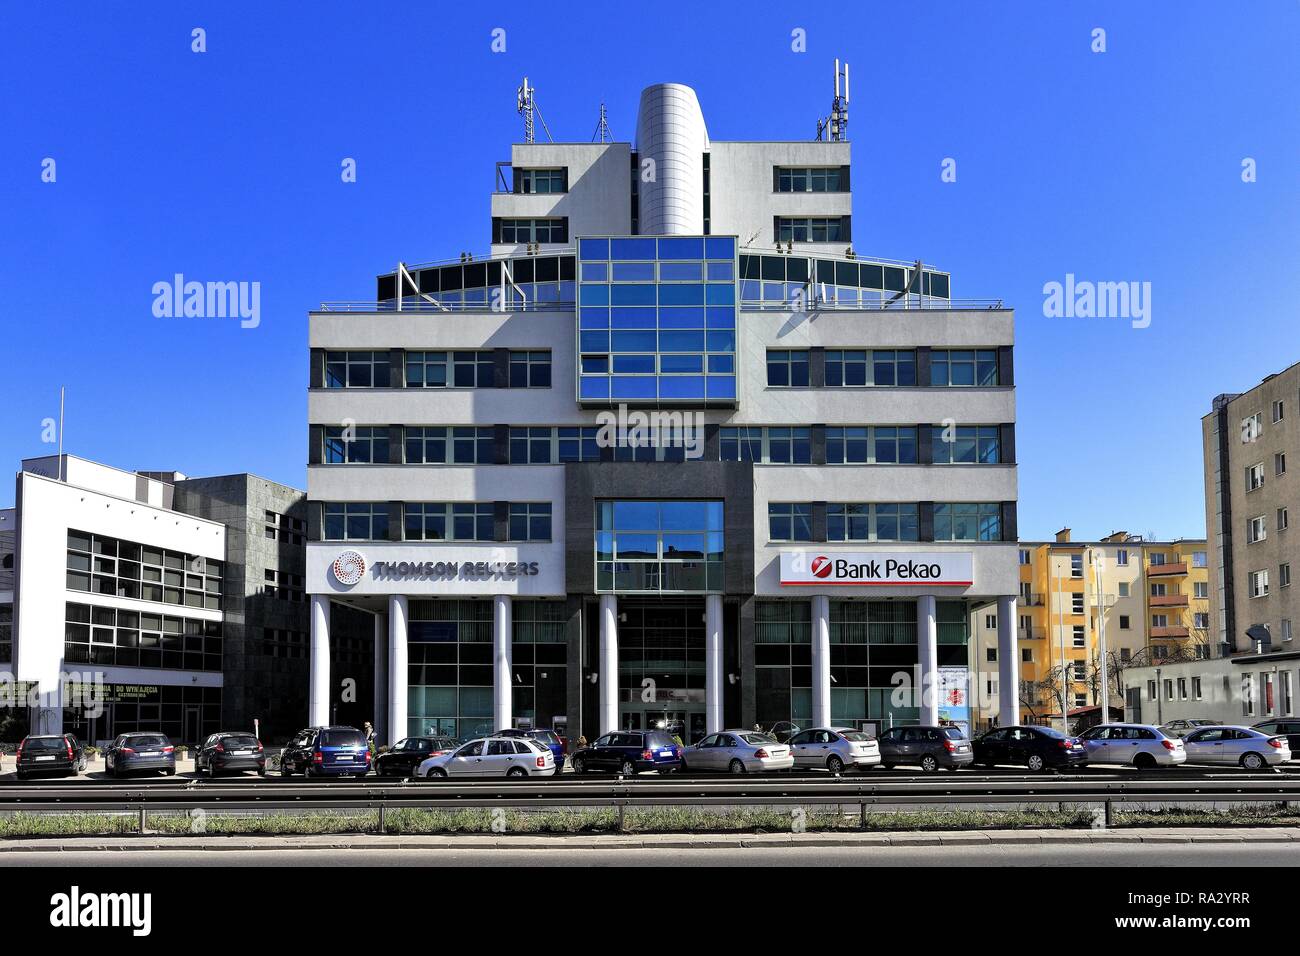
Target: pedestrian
(369, 731)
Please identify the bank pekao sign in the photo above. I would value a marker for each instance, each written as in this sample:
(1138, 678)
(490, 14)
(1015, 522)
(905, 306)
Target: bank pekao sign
(876, 569)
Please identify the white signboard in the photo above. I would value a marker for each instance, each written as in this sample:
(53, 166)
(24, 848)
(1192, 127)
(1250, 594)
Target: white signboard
(876, 569)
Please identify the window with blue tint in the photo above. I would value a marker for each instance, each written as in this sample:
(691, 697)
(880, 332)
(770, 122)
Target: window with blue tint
(658, 284)
(659, 546)
(743, 443)
(593, 248)
(968, 521)
(789, 522)
(592, 389)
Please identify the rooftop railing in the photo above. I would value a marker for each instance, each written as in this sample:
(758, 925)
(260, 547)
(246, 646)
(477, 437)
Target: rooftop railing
(905, 304)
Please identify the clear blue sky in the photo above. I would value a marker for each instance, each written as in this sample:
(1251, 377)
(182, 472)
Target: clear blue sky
(1124, 165)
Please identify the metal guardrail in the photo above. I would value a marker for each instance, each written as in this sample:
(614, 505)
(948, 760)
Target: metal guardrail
(916, 303)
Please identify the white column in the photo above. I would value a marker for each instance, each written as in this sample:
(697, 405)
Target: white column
(927, 652)
(380, 706)
(397, 611)
(318, 690)
(821, 660)
(502, 662)
(608, 679)
(1008, 663)
(713, 664)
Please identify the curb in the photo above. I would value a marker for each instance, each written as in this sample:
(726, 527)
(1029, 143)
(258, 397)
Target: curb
(219, 844)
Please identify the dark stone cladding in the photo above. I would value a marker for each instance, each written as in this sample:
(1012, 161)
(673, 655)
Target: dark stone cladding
(587, 482)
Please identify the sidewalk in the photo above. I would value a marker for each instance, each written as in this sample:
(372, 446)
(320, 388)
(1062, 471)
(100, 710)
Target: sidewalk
(964, 838)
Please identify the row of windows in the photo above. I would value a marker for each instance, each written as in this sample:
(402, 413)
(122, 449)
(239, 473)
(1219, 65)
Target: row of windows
(104, 565)
(121, 638)
(961, 521)
(436, 521)
(812, 229)
(814, 179)
(849, 368)
(454, 369)
(785, 275)
(547, 230)
(861, 444)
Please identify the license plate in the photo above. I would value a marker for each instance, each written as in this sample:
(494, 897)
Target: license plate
(962, 750)
(343, 757)
(44, 758)
(241, 753)
(665, 753)
(149, 753)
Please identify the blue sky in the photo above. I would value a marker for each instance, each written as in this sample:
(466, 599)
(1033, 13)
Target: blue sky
(1115, 166)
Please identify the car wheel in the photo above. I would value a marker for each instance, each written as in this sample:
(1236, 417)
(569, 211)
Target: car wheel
(286, 770)
(1252, 761)
(834, 764)
(1035, 763)
(929, 763)
(1144, 762)
(628, 769)
(579, 765)
(953, 769)
(261, 771)
(22, 775)
(682, 766)
(212, 771)
(170, 772)
(887, 766)
(436, 773)
(516, 772)
(736, 766)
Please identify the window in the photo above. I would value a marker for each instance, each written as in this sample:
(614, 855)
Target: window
(1027, 655)
(532, 446)
(102, 565)
(812, 229)
(991, 655)
(128, 638)
(990, 621)
(1201, 589)
(891, 445)
(1286, 629)
(1076, 565)
(1284, 575)
(530, 369)
(964, 367)
(1247, 695)
(356, 522)
(1159, 620)
(851, 368)
(1080, 669)
(846, 368)
(472, 445)
(1182, 688)
(426, 446)
(1151, 690)
(966, 444)
(1277, 412)
(1196, 689)
(1157, 558)
(443, 521)
(1159, 589)
(968, 522)
(741, 444)
(1255, 476)
(1252, 428)
(1201, 621)
(1124, 589)
(815, 179)
(1279, 463)
(1121, 557)
(1169, 689)
(356, 370)
(579, 444)
(893, 367)
(548, 181)
(787, 368)
(1258, 584)
(532, 230)
(1076, 602)
(1080, 700)
(872, 522)
(1124, 622)
(1024, 556)
(789, 446)
(426, 369)
(530, 521)
(789, 522)
(1255, 529)
(672, 546)
(356, 445)
(1078, 636)
(1283, 519)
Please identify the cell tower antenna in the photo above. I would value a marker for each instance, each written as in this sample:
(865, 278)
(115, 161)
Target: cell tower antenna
(837, 123)
(527, 106)
(602, 128)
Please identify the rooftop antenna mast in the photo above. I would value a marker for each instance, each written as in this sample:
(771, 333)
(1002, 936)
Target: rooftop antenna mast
(602, 128)
(837, 123)
(527, 107)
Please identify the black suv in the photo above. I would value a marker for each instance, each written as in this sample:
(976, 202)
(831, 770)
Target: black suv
(230, 752)
(50, 753)
(926, 747)
(630, 752)
(402, 759)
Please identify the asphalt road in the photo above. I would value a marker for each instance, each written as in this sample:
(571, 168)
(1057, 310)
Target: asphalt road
(1109, 855)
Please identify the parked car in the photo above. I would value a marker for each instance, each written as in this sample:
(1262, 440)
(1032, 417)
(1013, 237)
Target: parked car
(738, 751)
(1036, 748)
(404, 757)
(629, 752)
(1290, 729)
(140, 751)
(926, 747)
(230, 753)
(1140, 745)
(50, 753)
(1183, 727)
(783, 730)
(326, 752)
(1236, 746)
(834, 748)
(492, 757)
(548, 738)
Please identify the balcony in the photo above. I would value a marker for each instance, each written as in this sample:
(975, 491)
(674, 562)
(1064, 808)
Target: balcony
(1166, 570)
(1032, 633)
(1169, 600)
(1174, 631)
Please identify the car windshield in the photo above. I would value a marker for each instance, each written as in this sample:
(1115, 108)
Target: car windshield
(952, 733)
(342, 738)
(757, 739)
(545, 736)
(239, 741)
(856, 736)
(146, 740)
(1050, 732)
(32, 744)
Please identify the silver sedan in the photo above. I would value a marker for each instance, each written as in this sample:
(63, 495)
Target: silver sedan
(834, 748)
(1236, 746)
(1137, 745)
(491, 757)
(737, 751)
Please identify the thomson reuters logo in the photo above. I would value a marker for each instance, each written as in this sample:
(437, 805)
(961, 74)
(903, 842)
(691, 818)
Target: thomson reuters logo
(822, 566)
(349, 568)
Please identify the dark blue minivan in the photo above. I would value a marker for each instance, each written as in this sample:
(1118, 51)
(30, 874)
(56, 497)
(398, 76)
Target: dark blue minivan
(629, 752)
(326, 752)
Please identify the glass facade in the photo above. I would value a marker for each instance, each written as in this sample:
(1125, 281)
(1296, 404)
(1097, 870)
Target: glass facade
(659, 546)
(657, 319)
(102, 565)
(449, 668)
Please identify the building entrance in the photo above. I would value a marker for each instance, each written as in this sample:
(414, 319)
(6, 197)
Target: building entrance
(661, 666)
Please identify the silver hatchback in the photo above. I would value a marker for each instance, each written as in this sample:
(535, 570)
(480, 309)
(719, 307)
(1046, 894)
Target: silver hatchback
(1233, 746)
(737, 751)
(1137, 745)
(834, 749)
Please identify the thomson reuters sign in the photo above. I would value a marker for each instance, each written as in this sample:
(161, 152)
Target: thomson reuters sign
(876, 569)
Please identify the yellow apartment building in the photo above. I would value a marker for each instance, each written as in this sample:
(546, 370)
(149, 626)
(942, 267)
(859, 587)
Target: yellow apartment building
(1151, 596)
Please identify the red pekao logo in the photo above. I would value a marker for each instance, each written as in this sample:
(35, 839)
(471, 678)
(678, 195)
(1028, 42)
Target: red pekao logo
(821, 566)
